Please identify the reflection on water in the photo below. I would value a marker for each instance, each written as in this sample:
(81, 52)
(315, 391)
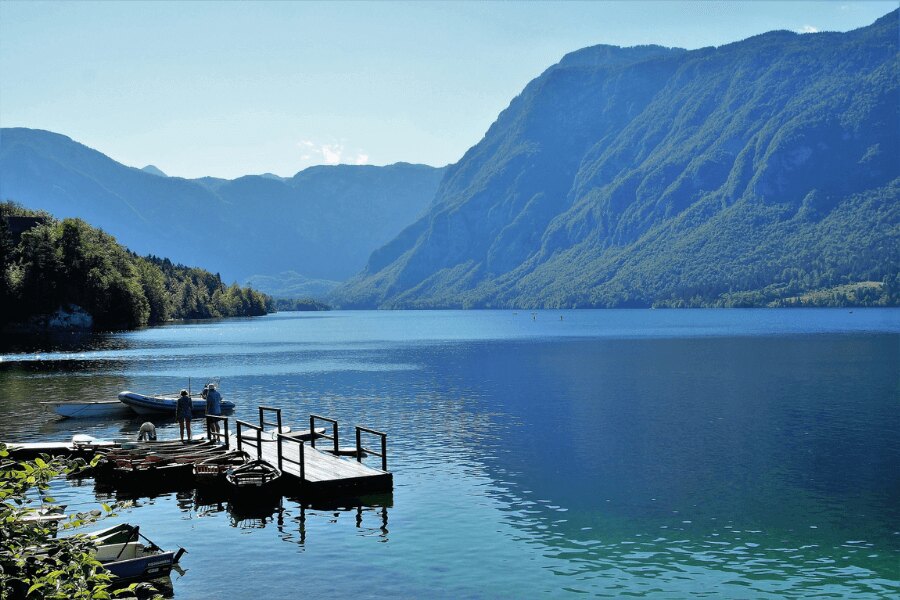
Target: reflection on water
(739, 454)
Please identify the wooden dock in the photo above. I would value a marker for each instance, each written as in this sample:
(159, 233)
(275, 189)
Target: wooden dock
(314, 469)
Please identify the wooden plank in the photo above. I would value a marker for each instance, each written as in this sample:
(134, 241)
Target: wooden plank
(320, 467)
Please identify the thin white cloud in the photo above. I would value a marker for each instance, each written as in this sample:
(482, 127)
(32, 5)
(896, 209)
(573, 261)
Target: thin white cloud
(330, 154)
(810, 29)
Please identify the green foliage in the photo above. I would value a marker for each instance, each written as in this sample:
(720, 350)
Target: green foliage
(34, 562)
(66, 263)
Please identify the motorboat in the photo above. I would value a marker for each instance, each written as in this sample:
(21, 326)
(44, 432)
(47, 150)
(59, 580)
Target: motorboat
(143, 404)
(133, 561)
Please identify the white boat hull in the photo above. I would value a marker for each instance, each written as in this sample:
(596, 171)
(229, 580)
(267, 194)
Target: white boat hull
(88, 410)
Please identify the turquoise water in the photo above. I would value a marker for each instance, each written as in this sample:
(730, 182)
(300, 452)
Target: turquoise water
(666, 454)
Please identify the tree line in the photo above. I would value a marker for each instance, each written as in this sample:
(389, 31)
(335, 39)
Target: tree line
(52, 264)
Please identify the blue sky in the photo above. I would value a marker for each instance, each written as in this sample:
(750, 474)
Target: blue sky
(228, 89)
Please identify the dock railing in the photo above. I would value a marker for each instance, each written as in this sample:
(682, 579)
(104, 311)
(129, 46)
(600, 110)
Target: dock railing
(286, 441)
(222, 435)
(262, 418)
(334, 431)
(360, 448)
(248, 441)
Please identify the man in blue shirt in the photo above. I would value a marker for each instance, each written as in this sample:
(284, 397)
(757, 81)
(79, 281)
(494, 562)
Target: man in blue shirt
(213, 407)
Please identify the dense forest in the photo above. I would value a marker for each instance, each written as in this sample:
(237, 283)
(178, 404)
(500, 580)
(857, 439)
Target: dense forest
(47, 265)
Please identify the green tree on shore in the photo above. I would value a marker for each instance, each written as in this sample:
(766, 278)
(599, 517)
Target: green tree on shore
(56, 264)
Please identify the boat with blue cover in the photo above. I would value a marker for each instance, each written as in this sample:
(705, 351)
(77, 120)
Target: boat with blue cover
(144, 404)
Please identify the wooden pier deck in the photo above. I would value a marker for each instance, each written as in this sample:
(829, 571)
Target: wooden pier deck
(317, 469)
(322, 469)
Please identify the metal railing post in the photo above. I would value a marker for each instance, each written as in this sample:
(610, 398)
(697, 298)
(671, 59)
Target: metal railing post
(312, 430)
(358, 445)
(302, 461)
(239, 436)
(280, 453)
(383, 452)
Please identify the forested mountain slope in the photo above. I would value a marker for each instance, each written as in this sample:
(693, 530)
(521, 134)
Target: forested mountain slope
(740, 175)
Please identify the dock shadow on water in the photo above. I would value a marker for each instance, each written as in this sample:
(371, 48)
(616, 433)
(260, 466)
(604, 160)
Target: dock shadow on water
(289, 515)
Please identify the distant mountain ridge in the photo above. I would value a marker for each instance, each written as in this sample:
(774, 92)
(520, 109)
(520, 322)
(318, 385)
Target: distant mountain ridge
(739, 175)
(153, 170)
(323, 223)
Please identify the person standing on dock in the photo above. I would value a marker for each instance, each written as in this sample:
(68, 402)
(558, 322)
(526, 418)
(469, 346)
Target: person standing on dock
(213, 408)
(183, 414)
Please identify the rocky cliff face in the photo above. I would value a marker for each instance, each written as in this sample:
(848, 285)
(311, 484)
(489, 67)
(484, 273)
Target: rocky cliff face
(610, 178)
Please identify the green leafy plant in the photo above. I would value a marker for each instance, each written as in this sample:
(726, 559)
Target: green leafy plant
(34, 563)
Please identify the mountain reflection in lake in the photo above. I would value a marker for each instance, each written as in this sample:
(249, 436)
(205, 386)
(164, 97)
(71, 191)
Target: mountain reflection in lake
(732, 453)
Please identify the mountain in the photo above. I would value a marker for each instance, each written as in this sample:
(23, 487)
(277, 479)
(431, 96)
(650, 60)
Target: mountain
(737, 175)
(291, 284)
(323, 223)
(154, 170)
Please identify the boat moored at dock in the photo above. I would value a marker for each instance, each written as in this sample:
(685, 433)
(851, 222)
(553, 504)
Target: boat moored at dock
(144, 404)
(92, 409)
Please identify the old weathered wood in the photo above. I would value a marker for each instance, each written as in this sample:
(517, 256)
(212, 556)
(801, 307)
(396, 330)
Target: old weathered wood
(313, 468)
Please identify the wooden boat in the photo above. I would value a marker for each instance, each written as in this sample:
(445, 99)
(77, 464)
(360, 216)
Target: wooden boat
(134, 561)
(171, 468)
(143, 404)
(257, 477)
(92, 409)
(212, 470)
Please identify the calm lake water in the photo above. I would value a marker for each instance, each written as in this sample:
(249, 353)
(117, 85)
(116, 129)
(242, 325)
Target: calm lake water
(666, 454)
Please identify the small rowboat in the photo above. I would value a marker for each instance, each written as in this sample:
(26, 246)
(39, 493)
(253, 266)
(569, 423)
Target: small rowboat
(212, 470)
(143, 404)
(164, 468)
(254, 478)
(93, 409)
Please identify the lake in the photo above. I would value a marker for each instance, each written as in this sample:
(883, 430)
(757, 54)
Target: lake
(653, 453)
